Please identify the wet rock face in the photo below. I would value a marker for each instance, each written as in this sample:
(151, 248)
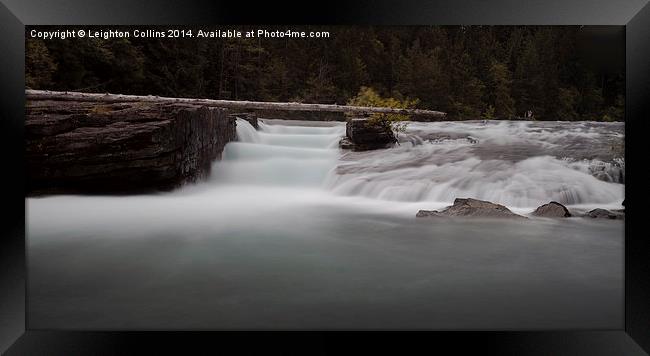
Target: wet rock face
(250, 117)
(85, 147)
(362, 135)
(552, 210)
(605, 214)
(471, 208)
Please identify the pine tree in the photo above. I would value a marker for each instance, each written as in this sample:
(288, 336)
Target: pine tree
(567, 104)
(500, 86)
(419, 74)
(529, 79)
(39, 66)
(467, 71)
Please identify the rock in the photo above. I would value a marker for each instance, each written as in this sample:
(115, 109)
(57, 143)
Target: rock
(250, 117)
(552, 210)
(473, 208)
(364, 134)
(91, 147)
(428, 213)
(346, 144)
(605, 214)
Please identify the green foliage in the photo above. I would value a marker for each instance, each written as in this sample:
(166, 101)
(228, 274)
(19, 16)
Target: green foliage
(568, 99)
(469, 72)
(615, 112)
(500, 97)
(419, 73)
(591, 105)
(529, 78)
(466, 101)
(320, 86)
(368, 97)
(39, 66)
(620, 105)
(488, 114)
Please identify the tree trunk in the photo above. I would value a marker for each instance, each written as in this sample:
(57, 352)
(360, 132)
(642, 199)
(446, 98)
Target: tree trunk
(416, 114)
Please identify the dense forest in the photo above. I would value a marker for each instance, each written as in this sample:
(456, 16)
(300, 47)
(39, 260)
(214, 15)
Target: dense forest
(470, 72)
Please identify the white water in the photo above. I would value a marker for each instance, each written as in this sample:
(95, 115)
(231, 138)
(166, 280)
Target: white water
(292, 232)
(519, 164)
(279, 155)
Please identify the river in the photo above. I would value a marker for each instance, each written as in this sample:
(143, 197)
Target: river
(290, 232)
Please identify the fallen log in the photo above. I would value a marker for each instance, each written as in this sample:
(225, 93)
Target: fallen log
(416, 114)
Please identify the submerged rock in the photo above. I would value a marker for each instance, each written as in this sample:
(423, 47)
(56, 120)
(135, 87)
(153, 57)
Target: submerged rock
(364, 134)
(471, 207)
(605, 214)
(552, 210)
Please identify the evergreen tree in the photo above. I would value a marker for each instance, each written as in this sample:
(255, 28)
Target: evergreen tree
(419, 74)
(467, 71)
(567, 104)
(39, 66)
(529, 79)
(500, 84)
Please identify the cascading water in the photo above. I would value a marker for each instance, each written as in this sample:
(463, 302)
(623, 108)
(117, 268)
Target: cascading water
(292, 232)
(279, 155)
(518, 164)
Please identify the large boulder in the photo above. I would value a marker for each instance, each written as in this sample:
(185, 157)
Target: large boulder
(365, 134)
(605, 214)
(127, 147)
(471, 208)
(552, 210)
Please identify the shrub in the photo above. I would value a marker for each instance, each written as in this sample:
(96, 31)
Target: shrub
(397, 122)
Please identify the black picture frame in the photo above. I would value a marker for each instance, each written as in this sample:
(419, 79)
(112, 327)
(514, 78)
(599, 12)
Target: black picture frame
(17, 339)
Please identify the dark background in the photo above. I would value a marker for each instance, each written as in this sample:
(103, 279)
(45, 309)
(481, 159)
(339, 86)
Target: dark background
(512, 12)
(469, 72)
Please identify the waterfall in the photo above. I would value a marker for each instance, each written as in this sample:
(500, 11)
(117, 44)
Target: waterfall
(292, 232)
(518, 164)
(284, 155)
